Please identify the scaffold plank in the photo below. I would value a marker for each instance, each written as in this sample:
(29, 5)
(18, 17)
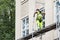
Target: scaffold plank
(36, 33)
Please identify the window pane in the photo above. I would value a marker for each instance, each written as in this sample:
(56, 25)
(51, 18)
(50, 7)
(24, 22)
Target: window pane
(23, 26)
(27, 31)
(23, 33)
(23, 21)
(27, 20)
(27, 26)
(44, 24)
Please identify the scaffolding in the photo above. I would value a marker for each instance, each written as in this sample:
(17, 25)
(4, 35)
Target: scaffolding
(44, 30)
(48, 28)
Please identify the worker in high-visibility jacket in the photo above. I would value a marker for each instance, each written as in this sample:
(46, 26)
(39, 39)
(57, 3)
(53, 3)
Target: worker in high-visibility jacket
(39, 18)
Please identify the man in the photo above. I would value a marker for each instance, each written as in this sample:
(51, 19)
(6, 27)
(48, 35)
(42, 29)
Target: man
(39, 18)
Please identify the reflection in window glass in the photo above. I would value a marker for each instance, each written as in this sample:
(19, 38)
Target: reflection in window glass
(25, 26)
(44, 24)
(23, 21)
(58, 12)
(57, 18)
(27, 20)
(27, 32)
(24, 33)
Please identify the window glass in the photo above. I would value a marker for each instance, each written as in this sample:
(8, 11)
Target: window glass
(25, 26)
(23, 33)
(27, 31)
(44, 24)
(58, 13)
(43, 18)
(27, 20)
(23, 21)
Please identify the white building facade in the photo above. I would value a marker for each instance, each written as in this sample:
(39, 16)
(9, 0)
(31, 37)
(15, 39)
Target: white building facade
(25, 22)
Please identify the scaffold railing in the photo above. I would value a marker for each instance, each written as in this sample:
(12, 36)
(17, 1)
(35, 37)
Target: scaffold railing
(36, 33)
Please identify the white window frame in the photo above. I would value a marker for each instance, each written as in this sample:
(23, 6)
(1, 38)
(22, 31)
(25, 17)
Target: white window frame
(26, 28)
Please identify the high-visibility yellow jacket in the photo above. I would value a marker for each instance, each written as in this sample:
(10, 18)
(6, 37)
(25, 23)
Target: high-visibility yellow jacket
(39, 20)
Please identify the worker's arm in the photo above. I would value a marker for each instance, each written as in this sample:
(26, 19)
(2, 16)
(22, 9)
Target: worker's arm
(34, 14)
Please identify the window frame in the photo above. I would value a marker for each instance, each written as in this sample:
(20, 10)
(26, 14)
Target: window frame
(25, 28)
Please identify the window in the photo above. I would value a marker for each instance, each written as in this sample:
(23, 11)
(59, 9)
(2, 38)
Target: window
(43, 11)
(44, 24)
(58, 21)
(27, 20)
(24, 33)
(23, 23)
(27, 31)
(57, 13)
(25, 26)
(43, 18)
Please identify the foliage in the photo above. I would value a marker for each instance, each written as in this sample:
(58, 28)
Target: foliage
(7, 19)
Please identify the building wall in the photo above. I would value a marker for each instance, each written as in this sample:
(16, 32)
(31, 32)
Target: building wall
(49, 19)
(17, 24)
(28, 9)
(49, 10)
(46, 36)
(24, 9)
(31, 12)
